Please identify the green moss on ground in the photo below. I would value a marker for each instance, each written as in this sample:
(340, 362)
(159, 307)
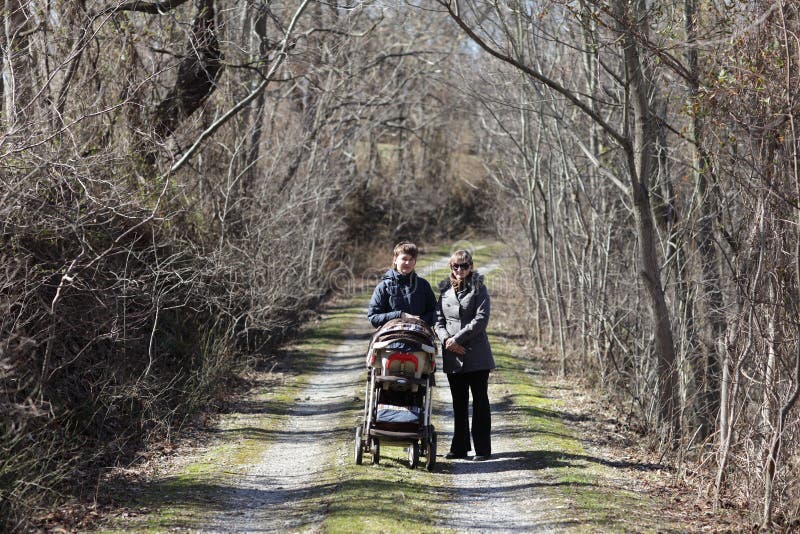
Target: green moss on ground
(388, 498)
(587, 485)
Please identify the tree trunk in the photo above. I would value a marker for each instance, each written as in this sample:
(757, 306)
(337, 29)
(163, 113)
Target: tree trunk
(707, 371)
(197, 76)
(771, 464)
(641, 158)
(17, 88)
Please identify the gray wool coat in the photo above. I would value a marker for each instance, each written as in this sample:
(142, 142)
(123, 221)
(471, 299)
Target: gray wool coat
(464, 317)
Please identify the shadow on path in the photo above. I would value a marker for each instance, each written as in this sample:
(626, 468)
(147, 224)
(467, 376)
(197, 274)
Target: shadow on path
(542, 459)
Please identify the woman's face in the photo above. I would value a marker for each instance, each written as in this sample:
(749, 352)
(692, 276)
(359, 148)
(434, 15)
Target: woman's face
(404, 263)
(460, 270)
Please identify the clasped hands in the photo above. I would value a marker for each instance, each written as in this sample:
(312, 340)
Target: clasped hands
(451, 345)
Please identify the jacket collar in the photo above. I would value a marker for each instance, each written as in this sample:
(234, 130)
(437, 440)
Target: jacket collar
(397, 276)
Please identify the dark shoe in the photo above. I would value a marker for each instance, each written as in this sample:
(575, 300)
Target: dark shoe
(481, 457)
(455, 456)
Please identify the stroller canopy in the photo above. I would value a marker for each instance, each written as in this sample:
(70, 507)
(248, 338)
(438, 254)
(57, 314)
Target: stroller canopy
(405, 334)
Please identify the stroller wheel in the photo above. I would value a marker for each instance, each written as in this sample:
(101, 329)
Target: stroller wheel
(359, 450)
(376, 451)
(430, 457)
(413, 455)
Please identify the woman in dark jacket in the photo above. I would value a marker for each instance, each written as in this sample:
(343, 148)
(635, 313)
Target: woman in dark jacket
(462, 314)
(401, 293)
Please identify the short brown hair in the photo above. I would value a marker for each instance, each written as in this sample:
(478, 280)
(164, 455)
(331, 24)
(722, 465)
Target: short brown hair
(404, 247)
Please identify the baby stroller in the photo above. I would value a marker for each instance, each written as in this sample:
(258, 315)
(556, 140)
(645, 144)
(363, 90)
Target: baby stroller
(397, 407)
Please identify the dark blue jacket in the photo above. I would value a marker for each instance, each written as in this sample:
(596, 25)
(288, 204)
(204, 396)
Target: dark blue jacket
(397, 293)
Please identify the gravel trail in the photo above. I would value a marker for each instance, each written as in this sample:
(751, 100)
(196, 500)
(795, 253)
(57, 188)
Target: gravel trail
(498, 495)
(281, 491)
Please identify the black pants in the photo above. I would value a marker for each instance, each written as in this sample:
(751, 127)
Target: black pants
(460, 386)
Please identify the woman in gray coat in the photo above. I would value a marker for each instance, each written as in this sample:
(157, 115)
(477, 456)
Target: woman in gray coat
(462, 314)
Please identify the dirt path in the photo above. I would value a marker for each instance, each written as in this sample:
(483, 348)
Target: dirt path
(278, 493)
(498, 495)
(286, 464)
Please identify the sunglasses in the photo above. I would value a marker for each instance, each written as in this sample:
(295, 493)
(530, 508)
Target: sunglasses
(462, 266)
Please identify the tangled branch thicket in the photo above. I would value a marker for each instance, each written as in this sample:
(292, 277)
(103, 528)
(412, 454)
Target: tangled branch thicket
(129, 293)
(648, 153)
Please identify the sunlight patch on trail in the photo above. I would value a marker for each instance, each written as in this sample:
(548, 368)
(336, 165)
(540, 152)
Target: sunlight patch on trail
(442, 263)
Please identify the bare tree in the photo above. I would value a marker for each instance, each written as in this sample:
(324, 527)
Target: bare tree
(636, 139)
